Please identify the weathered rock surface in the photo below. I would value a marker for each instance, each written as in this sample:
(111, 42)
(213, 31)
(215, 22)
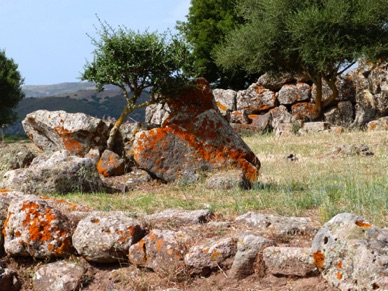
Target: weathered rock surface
(157, 113)
(59, 276)
(106, 237)
(160, 250)
(110, 164)
(352, 254)
(228, 180)
(212, 254)
(180, 217)
(225, 100)
(58, 173)
(248, 248)
(16, 156)
(379, 124)
(76, 133)
(291, 93)
(35, 229)
(289, 261)
(194, 138)
(279, 225)
(255, 99)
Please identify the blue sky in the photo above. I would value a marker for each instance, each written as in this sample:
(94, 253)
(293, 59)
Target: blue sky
(47, 38)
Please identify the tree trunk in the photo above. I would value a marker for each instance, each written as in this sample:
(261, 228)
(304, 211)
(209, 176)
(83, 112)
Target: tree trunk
(331, 83)
(113, 132)
(318, 97)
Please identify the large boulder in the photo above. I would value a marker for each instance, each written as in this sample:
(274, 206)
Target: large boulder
(352, 254)
(292, 93)
(16, 156)
(77, 133)
(256, 99)
(195, 138)
(56, 173)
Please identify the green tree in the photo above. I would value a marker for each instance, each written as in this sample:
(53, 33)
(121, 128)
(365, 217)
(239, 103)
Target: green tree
(317, 38)
(135, 62)
(207, 24)
(10, 89)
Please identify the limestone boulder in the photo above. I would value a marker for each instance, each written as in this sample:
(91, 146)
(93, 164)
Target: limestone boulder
(289, 261)
(292, 93)
(195, 138)
(341, 115)
(305, 111)
(156, 113)
(248, 248)
(59, 172)
(352, 254)
(225, 100)
(33, 228)
(110, 164)
(106, 237)
(213, 254)
(274, 82)
(161, 250)
(59, 276)
(256, 99)
(16, 156)
(228, 180)
(239, 116)
(379, 124)
(179, 217)
(76, 133)
(279, 225)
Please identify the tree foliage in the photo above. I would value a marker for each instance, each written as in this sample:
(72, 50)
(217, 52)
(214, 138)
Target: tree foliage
(316, 38)
(10, 89)
(134, 62)
(207, 24)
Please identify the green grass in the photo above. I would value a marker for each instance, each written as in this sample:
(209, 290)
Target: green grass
(318, 185)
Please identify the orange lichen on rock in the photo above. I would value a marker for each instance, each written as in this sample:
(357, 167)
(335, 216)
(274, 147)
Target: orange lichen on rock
(363, 224)
(339, 265)
(72, 145)
(4, 190)
(339, 276)
(319, 259)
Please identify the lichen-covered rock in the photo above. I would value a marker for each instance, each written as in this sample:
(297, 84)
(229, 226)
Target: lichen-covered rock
(160, 250)
(274, 81)
(352, 254)
(239, 116)
(180, 217)
(110, 164)
(195, 138)
(314, 127)
(289, 261)
(279, 225)
(291, 93)
(57, 173)
(305, 111)
(33, 228)
(16, 156)
(342, 115)
(76, 133)
(106, 237)
(256, 99)
(9, 280)
(156, 113)
(228, 180)
(379, 124)
(225, 100)
(248, 248)
(59, 276)
(201, 259)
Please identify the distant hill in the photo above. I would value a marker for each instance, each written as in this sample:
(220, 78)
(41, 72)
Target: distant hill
(72, 98)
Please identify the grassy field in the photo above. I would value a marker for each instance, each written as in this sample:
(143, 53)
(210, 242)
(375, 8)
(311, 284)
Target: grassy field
(320, 184)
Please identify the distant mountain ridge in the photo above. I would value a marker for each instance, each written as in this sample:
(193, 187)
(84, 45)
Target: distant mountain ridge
(74, 97)
(61, 88)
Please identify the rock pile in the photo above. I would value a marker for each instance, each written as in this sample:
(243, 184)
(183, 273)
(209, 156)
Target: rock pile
(282, 103)
(348, 252)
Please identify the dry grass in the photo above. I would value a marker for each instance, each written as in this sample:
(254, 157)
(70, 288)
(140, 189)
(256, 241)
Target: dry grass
(319, 184)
